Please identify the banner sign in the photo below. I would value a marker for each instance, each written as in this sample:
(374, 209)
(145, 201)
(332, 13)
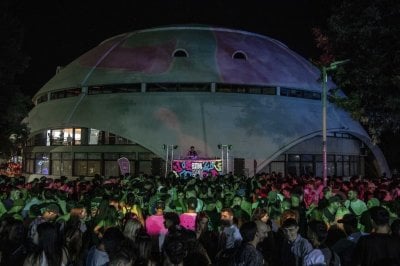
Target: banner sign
(201, 168)
(124, 165)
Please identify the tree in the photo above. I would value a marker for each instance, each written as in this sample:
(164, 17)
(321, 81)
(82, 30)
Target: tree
(368, 33)
(14, 105)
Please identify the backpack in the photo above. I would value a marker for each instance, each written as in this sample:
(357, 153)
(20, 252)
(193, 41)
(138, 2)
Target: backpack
(225, 257)
(331, 258)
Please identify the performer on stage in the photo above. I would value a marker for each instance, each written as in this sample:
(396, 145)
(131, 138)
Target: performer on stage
(192, 154)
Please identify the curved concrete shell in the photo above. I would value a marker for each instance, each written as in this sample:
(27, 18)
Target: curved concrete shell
(200, 86)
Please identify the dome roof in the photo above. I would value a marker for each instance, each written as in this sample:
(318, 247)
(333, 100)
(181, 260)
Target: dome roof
(260, 126)
(188, 54)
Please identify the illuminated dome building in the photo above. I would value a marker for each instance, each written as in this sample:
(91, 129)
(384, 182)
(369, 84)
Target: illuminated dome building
(190, 86)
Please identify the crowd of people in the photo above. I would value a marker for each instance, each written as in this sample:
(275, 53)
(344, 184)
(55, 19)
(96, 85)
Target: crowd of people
(267, 219)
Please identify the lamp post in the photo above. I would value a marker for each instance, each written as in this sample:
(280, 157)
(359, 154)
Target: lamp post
(332, 66)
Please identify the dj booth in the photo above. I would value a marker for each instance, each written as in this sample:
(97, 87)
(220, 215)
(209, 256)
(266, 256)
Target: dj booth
(197, 167)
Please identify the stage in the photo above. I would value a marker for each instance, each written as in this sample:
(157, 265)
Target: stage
(197, 167)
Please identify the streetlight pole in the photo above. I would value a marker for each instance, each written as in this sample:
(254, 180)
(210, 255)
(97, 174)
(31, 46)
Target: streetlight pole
(332, 66)
(324, 144)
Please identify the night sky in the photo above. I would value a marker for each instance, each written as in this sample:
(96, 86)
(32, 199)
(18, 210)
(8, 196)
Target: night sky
(57, 32)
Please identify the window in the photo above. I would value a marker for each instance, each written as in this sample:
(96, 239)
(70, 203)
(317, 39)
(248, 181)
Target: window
(77, 136)
(130, 156)
(111, 138)
(65, 93)
(94, 136)
(42, 163)
(111, 156)
(55, 156)
(145, 156)
(56, 167)
(80, 156)
(42, 98)
(67, 156)
(300, 93)
(62, 136)
(93, 168)
(94, 156)
(180, 53)
(294, 157)
(80, 168)
(255, 90)
(189, 87)
(239, 55)
(118, 88)
(306, 157)
(29, 165)
(111, 168)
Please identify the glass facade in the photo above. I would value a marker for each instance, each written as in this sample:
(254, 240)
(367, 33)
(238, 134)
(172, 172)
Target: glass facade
(76, 163)
(76, 136)
(311, 164)
(42, 164)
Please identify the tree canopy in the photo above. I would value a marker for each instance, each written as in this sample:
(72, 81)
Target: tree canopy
(368, 33)
(14, 105)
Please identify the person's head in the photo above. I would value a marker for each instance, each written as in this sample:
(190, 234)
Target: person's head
(227, 216)
(114, 201)
(334, 202)
(94, 206)
(51, 212)
(349, 222)
(237, 201)
(144, 250)
(112, 240)
(379, 216)
(352, 195)
(160, 206)
(248, 231)
(262, 230)
(317, 232)
(285, 205)
(191, 204)
(171, 220)
(327, 191)
(132, 228)
(175, 250)
(79, 213)
(260, 214)
(395, 227)
(209, 204)
(180, 195)
(372, 202)
(295, 200)
(202, 221)
(290, 229)
(191, 192)
(15, 230)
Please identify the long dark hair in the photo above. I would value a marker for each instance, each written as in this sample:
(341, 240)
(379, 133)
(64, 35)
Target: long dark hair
(49, 243)
(73, 237)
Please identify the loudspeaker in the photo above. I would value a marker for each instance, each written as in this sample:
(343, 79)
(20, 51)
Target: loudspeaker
(157, 166)
(238, 167)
